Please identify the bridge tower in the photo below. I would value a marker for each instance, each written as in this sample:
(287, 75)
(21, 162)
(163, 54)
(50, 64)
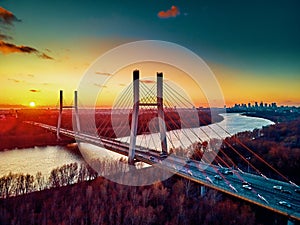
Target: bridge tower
(135, 113)
(61, 107)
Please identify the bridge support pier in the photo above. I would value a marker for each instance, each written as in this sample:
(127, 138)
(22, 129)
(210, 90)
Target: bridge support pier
(202, 190)
(290, 222)
(161, 116)
(76, 111)
(60, 114)
(135, 114)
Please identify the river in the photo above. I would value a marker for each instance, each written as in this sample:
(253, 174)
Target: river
(44, 159)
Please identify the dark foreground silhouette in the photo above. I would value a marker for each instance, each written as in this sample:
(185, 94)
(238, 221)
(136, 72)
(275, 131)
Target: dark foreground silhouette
(100, 201)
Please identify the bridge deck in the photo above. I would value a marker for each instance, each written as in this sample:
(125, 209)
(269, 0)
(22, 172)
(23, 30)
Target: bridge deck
(262, 192)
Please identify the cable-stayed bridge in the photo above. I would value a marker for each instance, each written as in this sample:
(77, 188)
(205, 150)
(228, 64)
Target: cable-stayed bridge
(146, 122)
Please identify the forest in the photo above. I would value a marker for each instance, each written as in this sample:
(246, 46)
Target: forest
(100, 201)
(20, 184)
(278, 144)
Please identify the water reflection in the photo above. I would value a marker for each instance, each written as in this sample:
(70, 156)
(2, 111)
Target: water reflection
(32, 160)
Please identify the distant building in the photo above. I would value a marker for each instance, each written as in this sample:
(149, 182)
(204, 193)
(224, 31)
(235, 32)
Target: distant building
(261, 105)
(274, 105)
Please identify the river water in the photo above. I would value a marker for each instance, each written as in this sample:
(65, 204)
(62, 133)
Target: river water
(44, 159)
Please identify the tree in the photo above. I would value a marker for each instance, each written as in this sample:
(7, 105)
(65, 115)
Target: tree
(54, 180)
(29, 183)
(40, 181)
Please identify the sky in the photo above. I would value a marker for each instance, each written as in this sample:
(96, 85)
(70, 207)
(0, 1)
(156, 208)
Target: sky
(252, 47)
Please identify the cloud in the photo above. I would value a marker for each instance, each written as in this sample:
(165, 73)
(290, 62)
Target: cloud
(172, 12)
(44, 56)
(34, 90)
(148, 81)
(5, 37)
(100, 85)
(103, 73)
(7, 17)
(14, 80)
(7, 48)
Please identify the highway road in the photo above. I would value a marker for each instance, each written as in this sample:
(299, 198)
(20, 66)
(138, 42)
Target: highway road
(260, 189)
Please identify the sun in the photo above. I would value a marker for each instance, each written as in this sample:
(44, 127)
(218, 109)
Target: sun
(32, 104)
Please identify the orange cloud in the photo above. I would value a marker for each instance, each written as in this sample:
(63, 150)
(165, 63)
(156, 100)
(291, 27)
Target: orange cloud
(7, 48)
(7, 17)
(173, 12)
(103, 73)
(34, 90)
(148, 81)
(100, 85)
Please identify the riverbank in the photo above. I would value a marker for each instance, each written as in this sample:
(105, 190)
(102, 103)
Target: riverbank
(276, 117)
(14, 133)
(21, 135)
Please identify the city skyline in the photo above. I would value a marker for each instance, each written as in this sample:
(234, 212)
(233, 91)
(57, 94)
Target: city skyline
(252, 48)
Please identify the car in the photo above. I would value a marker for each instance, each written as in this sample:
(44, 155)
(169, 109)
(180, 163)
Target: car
(188, 160)
(286, 191)
(218, 177)
(186, 170)
(163, 155)
(232, 187)
(247, 187)
(226, 172)
(190, 172)
(246, 183)
(284, 203)
(262, 198)
(155, 160)
(152, 158)
(297, 190)
(277, 187)
(229, 172)
(208, 178)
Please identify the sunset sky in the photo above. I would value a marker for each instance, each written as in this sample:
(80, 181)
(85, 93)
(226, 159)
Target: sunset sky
(252, 47)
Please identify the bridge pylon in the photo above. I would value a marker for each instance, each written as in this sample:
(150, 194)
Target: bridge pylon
(61, 107)
(135, 113)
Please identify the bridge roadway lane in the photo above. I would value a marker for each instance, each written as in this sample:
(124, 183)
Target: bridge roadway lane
(262, 192)
(232, 184)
